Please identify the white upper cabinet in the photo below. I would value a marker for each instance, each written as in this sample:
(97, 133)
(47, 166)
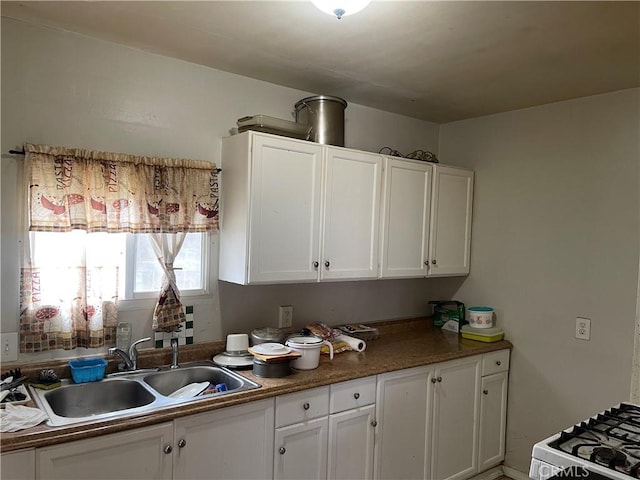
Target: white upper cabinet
(450, 232)
(296, 211)
(270, 225)
(406, 207)
(351, 215)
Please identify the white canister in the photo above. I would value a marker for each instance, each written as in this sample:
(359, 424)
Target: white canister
(480, 317)
(309, 347)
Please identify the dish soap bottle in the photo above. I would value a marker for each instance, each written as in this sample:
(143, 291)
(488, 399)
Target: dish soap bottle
(123, 339)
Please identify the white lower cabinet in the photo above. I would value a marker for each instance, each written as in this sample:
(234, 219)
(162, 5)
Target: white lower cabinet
(300, 449)
(134, 454)
(351, 429)
(454, 425)
(493, 410)
(18, 465)
(231, 443)
(427, 420)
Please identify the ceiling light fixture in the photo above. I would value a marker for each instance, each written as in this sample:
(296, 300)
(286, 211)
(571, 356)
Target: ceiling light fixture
(340, 8)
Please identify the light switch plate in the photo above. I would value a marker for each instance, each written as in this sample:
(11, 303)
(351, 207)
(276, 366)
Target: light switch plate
(8, 347)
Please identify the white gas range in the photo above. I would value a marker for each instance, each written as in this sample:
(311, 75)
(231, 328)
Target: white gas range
(604, 446)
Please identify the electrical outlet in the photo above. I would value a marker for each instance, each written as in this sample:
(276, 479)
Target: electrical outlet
(8, 347)
(583, 328)
(285, 318)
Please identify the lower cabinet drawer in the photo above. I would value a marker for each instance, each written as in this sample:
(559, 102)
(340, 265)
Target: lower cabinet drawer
(495, 362)
(301, 406)
(352, 394)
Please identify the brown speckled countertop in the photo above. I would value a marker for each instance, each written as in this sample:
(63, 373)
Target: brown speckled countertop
(402, 344)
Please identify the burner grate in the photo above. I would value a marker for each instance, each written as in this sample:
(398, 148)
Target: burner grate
(610, 439)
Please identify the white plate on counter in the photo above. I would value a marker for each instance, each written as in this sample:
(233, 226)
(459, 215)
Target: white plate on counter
(234, 361)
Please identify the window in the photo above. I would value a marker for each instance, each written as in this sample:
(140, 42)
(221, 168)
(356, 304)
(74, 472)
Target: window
(127, 254)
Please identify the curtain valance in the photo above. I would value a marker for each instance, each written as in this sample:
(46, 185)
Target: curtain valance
(115, 192)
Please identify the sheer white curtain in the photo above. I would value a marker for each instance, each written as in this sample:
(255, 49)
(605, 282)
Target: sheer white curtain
(168, 313)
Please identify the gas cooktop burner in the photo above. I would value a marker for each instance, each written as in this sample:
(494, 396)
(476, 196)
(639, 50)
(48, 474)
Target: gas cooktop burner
(608, 456)
(610, 439)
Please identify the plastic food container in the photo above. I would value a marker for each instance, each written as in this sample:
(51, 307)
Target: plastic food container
(482, 334)
(88, 369)
(480, 317)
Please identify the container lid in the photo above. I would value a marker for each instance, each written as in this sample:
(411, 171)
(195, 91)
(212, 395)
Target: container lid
(484, 332)
(480, 309)
(307, 340)
(303, 103)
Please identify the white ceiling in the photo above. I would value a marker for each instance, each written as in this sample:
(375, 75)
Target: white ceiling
(434, 60)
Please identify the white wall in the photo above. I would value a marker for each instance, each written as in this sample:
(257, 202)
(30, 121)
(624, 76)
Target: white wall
(556, 236)
(65, 89)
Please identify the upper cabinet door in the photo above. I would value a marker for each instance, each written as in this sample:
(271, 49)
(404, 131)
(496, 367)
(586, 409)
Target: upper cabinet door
(351, 215)
(285, 210)
(450, 234)
(406, 204)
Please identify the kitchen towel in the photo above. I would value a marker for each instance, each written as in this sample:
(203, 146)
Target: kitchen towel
(17, 417)
(356, 344)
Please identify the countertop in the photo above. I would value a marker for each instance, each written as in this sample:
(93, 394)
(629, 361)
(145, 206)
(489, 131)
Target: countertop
(402, 344)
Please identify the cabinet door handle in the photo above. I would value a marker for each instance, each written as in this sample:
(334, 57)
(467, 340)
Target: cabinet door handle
(327, 264)
(433, 380)
(498, 363)
(486, 392)
(306, 405)
(316, 264)
(282, 450)
(426, 262)
(167, 449)
(182, 443)
(433, 261)
(356, 395)
(374, 423)
(439, 379)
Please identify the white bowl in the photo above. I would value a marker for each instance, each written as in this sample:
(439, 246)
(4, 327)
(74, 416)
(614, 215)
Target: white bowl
(237, 342)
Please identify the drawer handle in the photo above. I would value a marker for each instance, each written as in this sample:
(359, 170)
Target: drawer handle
(167, 449)
(374, 423)
(356, 395)
(282, 450)
(306, 405)
(486, 392)
(498, 363)
(182, 443)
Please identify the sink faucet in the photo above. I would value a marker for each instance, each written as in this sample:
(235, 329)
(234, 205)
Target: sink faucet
(131, 359)
(174, 352)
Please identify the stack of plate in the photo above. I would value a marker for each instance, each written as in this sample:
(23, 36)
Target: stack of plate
(482, 334)
(277, 126)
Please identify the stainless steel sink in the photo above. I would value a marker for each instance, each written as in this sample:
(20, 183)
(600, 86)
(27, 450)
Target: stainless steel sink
(96, 398)
(167, 382)
(136, 393)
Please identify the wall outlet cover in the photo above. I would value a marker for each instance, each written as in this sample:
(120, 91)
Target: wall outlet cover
(8, 347)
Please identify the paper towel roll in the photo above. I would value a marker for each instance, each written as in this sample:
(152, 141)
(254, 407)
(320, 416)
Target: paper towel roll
(355, 343)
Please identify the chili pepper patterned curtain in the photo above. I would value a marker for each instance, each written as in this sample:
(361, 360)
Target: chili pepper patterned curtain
(75, 189)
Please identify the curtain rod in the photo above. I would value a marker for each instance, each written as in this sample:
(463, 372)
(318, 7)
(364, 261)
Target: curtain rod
(22, 152)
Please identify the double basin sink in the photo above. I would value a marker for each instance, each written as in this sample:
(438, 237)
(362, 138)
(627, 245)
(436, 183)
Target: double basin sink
(135, 393)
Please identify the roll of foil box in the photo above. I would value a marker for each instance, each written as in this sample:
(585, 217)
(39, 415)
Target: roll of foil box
(356, 344)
